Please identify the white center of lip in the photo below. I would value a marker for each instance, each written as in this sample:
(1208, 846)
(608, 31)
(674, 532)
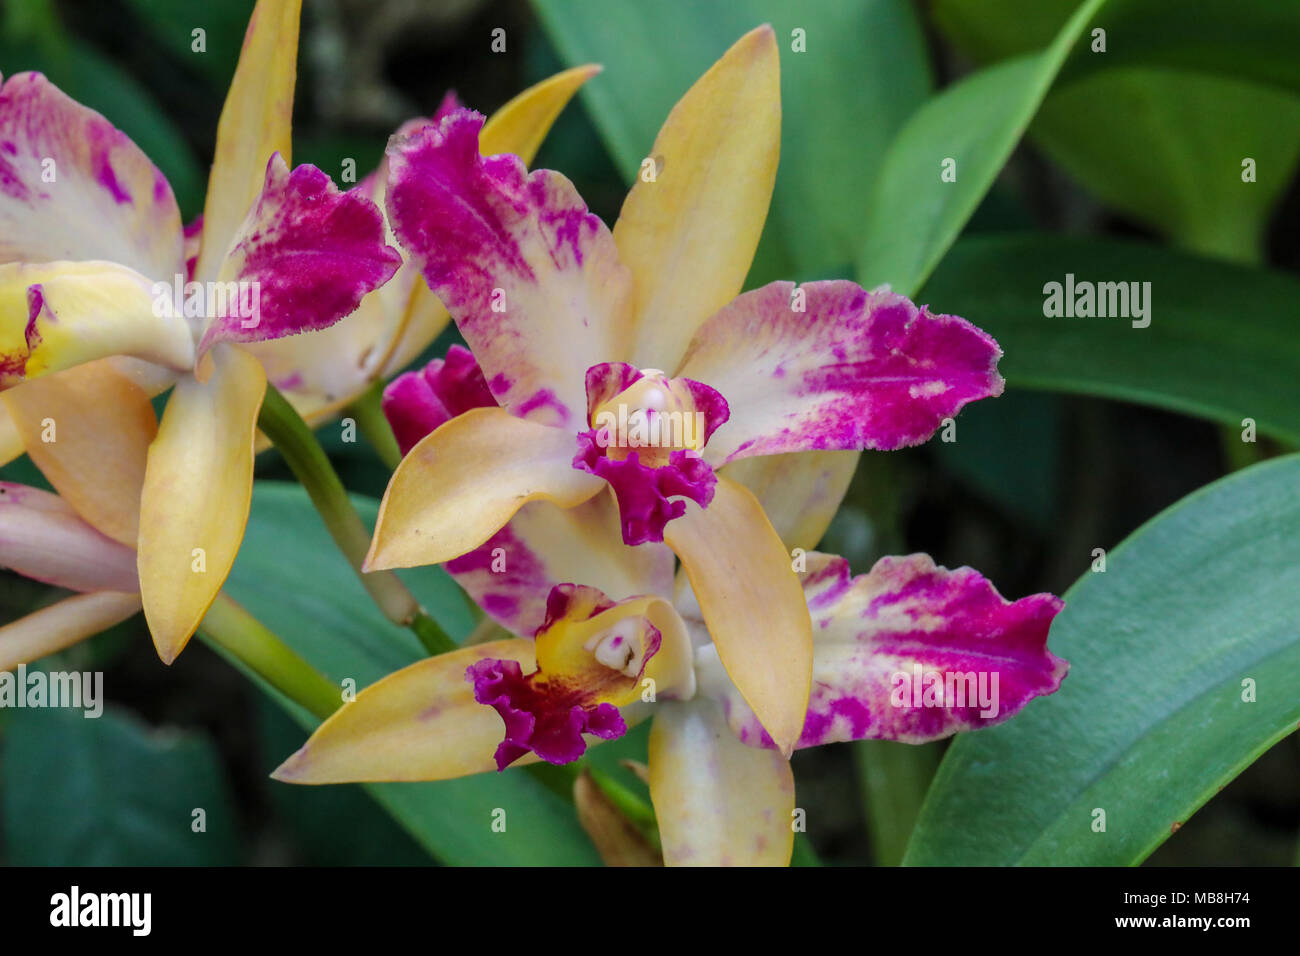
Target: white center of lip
(618, 648)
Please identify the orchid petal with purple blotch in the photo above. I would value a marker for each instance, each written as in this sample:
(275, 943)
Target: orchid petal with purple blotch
(74, 187)
(307, 252)
(828, 365)
(910, 652)
(531, 277)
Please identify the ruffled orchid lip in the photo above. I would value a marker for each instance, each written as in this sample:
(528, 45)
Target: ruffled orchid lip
(646, 435)
(590, 660)
(536, 721)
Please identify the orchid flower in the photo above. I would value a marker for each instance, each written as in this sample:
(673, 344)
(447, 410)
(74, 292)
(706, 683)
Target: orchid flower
(45, 538)
(322, 373)
(617, 639)
(581, 330)
(91, 247)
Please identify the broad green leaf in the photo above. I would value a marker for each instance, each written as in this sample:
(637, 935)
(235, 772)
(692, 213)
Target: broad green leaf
(1221, 343)
(894, 778)
(331, 826)
(292, 578)
(1183, 656)
(1249, 39)
(107, 791)
(1167, 147)
(864, 71)
(969, 131)
(1158, 125)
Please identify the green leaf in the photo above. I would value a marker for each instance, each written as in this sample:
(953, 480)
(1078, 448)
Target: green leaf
(1249, 39)
(108, 791)
(290, 576)
(1185, 136)
(1188, 97)
(1221, 343)
(894, 778)
(1156, 713)
(863, 73)
(915, 215)
(331, 826)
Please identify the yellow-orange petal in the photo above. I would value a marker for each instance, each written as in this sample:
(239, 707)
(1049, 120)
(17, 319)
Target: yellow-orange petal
(419, 723)
(753, 605)
(464, 481)
(11, 442)
(520, 125)
(799, 491)
(197, 487)
(55, 315)
(690, 234)
(718, 802)
(88, 430)
(63, 624)
(256, 121)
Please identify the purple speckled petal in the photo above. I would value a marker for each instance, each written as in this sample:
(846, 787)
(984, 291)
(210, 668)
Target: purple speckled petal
(648, 497)
(512, 573)
(853, 370)
(530, 276)
(303, 258)
(910, 652)
(73, 187)
(416, 403)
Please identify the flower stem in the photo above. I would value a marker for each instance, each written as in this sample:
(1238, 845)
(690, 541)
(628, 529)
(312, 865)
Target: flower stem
(369, 414)
(237, 633)
(281, 423)
(431, 635)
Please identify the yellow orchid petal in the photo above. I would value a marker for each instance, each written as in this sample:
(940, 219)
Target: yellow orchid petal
(463, 482)
(690, 234)
(197, 487)
(11, 442)
(520, 126)
(55, 315)
(799, 491)
(256, 121)
(752, 603)
(419, 723)
(63, 624)
(88, 430)
(718, 801)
